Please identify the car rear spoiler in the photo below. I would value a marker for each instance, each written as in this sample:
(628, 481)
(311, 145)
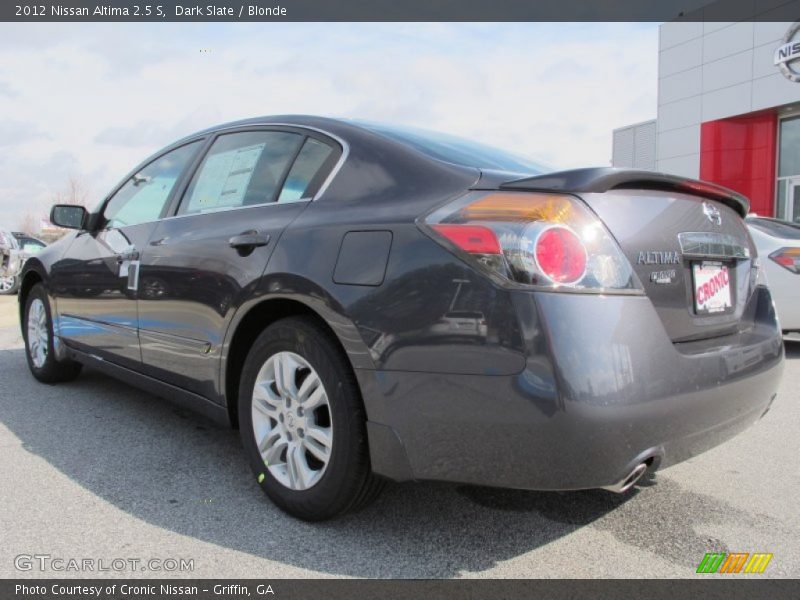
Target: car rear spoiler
(603, 179)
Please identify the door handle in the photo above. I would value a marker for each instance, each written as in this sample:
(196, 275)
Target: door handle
(248, 240)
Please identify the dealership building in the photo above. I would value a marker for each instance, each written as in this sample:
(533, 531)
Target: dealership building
(728, 111)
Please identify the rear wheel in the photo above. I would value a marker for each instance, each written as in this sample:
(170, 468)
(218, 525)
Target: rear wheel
(8, 285)
(39, 341)
(303, 424)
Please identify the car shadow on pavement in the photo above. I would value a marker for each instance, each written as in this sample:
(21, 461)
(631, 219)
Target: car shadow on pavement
(179, 472)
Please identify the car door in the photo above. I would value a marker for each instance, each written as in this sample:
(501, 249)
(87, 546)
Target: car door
(95, 282)
(202, 262)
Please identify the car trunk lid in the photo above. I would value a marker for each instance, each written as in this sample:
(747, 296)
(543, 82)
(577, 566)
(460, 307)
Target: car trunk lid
(686, 240)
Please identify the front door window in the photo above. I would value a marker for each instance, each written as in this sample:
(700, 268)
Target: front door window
(144, 196)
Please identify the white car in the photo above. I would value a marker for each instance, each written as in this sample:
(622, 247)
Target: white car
(15, 249)
(778, 244)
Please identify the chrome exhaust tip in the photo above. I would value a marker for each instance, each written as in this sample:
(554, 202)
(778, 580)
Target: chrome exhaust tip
(628, 482)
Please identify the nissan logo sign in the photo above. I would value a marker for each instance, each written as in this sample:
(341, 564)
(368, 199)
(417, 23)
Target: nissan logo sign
(788, 54)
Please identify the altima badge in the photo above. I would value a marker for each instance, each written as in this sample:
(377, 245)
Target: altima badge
(658, 257)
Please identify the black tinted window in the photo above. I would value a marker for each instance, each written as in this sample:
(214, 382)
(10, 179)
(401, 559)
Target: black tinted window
(241, 169)
(144, 196)
(775, 228)
(309, 162)
(450, 148)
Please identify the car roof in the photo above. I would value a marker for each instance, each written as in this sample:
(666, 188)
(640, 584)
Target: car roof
(376, 135)
(330, 125)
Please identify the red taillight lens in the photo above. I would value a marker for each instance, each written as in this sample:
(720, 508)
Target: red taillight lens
(788, 258)
(561, 255)
(535, 239)
(474, 239)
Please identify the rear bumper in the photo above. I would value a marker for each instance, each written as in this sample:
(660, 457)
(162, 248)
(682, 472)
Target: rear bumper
(603, 389)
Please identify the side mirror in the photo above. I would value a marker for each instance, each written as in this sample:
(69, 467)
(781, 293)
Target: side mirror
(69, 216)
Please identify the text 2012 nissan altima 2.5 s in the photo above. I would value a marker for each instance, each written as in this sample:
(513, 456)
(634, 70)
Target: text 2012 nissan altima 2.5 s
(369, 303)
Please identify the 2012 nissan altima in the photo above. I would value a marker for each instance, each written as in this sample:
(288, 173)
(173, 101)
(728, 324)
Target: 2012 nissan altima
(367, 302)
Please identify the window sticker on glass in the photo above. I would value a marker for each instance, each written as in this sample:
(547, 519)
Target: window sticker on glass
(225, 177)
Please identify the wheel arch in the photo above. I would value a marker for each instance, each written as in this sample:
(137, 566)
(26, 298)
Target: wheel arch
(32, 274)
(251, 320)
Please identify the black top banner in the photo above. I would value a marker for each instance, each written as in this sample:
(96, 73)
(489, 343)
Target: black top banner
(400, 10)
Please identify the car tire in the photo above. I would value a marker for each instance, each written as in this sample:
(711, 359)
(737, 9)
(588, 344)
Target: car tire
(39, 341)
(296, 480)
(9, 285)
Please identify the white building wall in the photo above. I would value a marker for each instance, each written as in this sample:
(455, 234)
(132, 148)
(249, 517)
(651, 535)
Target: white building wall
(634, 146)
(710, 71)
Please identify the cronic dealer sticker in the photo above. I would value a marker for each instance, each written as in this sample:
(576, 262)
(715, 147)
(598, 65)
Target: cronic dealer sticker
(712, 287)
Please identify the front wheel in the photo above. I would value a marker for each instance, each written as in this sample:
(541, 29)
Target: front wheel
(39, 341)
(303, 424)
(8, 285)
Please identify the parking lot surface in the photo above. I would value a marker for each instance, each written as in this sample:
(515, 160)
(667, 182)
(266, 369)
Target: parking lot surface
(96, 469)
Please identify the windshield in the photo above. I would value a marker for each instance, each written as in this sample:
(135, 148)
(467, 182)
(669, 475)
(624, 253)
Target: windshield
(452, 149)
(31, 246)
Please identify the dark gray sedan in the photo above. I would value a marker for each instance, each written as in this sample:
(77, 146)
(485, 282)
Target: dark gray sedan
(368, 302)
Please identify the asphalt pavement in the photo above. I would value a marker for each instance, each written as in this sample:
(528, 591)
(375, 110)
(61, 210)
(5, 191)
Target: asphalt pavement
(97, 470)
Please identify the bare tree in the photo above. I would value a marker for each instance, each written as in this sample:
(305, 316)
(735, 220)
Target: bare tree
(76, 191)
(28, 223)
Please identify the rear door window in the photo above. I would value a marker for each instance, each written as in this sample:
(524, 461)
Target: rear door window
(306, 171)
(241, 169)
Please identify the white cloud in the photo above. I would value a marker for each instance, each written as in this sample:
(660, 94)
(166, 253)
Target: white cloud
(100, 97)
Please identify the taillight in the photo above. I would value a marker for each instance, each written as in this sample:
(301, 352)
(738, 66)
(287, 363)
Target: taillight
(789, 258)
(474, 239)
(543, 240)
(560, 254)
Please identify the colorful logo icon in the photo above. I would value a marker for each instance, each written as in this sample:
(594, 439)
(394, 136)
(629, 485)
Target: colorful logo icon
(735, 562)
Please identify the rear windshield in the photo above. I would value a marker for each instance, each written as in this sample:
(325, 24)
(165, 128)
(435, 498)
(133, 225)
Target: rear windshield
(776, 228)
(457, 150)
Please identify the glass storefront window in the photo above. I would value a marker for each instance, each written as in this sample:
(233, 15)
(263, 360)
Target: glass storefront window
(787, 201)
(789, 148)
(793, 215)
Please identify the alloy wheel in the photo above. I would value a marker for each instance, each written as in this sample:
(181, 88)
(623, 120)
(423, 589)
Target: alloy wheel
(292, 421)
(38, 335)
(7, 283)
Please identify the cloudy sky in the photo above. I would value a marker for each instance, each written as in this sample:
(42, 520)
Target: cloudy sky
(89, 101)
